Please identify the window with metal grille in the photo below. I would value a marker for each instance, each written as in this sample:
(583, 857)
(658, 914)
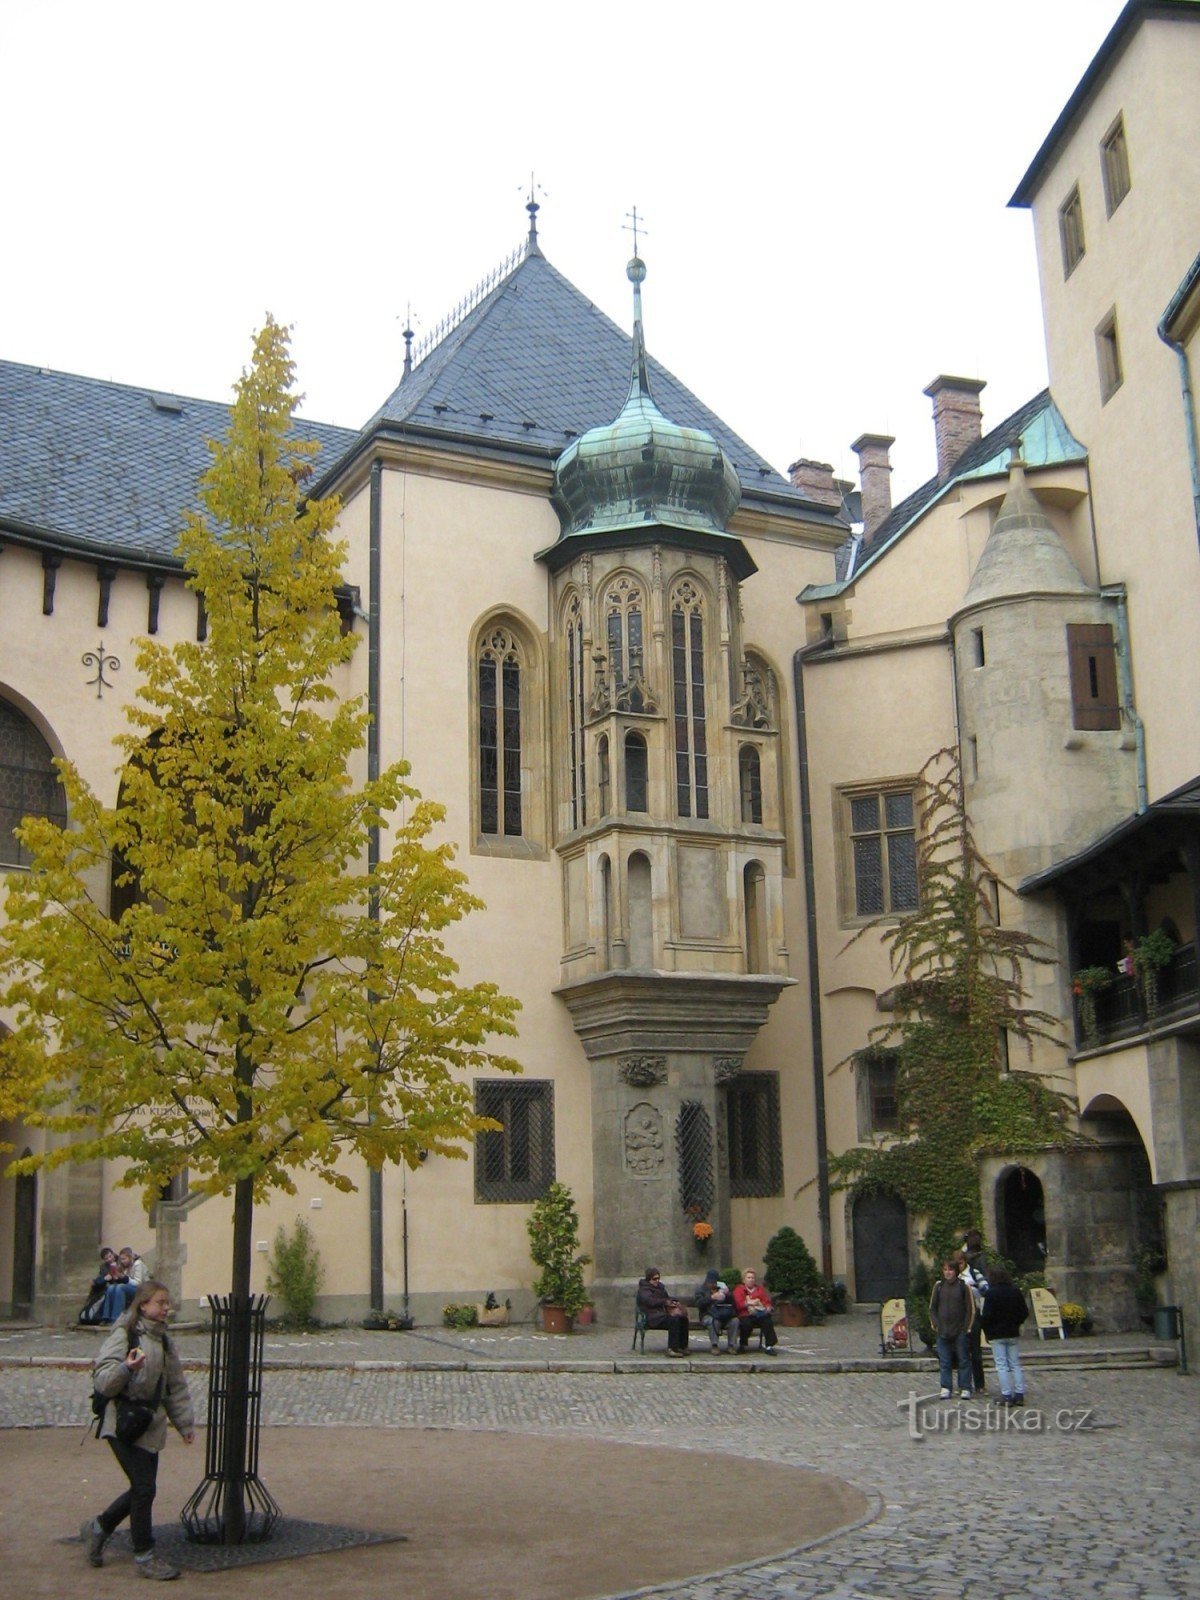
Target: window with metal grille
(29, 785)
(687, 686)
(694, 1149)
(1114, 165)
(515, 1162)
(1092, 654)
(575, 715)
(1070, 231)
(882, 839)
(636, 773)
(752, 1128)
(878, 1107)
(750, 778)
(500, 734)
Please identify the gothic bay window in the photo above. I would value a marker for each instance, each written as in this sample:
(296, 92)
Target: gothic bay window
(881, 840)
(29, 785)
(687, 687)
(575, 715)
(500, 734)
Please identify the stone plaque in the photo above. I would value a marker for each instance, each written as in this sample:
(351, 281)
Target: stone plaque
(645, 1150)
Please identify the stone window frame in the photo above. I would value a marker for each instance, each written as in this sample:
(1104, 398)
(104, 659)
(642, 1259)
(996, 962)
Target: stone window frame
(846, 834)
(875, 1085)
(510, 1101)
(530, 843)
(1070, 231)
(1108, 357)
(1114, 164)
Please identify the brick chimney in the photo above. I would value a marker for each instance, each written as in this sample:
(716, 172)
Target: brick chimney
(814, 479)
(875, 475)
(957, 418)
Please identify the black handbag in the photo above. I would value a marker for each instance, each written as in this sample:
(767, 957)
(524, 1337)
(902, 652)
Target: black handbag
(133, 1417)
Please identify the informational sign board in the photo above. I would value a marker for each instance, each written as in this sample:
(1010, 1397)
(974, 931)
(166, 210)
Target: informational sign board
(1046, 1313)
(893, 1326)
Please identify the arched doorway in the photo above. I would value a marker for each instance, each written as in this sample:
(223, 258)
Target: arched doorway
(880, 1246)
(1022, 1216)
(24, 1243)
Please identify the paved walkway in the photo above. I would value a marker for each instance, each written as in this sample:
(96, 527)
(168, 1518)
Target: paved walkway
(1095, 1495)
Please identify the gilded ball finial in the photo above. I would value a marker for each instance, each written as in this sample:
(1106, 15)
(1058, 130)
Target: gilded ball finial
(636, 270)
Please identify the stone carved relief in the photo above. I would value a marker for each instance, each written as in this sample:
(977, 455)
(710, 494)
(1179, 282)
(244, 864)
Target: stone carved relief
(726, 1068)
(642, 1071)
(645, 1151)
(753, 710)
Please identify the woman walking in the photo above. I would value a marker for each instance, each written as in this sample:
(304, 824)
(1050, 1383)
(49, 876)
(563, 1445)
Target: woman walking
(138, 1361)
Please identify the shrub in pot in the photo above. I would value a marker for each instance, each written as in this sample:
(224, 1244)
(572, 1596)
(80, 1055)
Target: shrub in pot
(793, 1277)
(554, 1245)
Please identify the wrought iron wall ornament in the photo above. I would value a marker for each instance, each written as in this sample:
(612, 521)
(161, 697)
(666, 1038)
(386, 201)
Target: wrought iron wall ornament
(726, 1068)
(101, 660)
(645, 1150)
(642, 1071)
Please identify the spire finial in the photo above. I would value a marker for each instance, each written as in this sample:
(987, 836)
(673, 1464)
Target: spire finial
(532, 247)
(408, 338)
(635, 271)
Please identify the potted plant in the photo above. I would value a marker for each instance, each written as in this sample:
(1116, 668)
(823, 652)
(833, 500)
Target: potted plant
(1075, 1319)
(1151, 953)
(1086, 984)
(794, 1279)
(554, 1245)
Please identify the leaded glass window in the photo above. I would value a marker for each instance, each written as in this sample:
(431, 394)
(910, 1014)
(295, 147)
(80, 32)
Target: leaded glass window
(500, 734)
(687, 689)
(883, 852)
(29, 785)
(623, 622)
(575, 715)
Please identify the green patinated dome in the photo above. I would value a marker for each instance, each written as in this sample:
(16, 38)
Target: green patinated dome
(644, 471)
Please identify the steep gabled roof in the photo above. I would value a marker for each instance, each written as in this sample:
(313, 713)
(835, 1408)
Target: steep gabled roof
(534, 365)
(105, 468)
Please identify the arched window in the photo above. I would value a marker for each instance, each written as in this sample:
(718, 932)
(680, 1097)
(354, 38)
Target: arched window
(499, 683)
(604, 776)
(623, 631)
(29, 785)
(750, 783)
(641, 912)
(636, 773)
(687, 689)
(575, 714)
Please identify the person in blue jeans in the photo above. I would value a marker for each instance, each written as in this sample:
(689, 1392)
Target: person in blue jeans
(1004, 1310)
(952, 1312)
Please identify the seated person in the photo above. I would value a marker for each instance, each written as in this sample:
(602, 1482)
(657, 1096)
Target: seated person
(754, 1306)
(714, 1302)
(663, 1312)
(94, 1304)
(121, 1290)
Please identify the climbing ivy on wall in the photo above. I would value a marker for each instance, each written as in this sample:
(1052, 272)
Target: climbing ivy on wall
(959, 1002)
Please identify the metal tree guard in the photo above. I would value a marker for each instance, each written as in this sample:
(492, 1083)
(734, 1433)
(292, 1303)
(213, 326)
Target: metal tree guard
(232, 1505)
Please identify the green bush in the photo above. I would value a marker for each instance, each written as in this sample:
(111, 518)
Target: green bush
(792, 1274)
(920, 1288)
(460, 1316)
(294, 1272)
(554, 1245)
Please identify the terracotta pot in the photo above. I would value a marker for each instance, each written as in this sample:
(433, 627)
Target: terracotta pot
(789, 1315)
(555, 1320)
(586, 1317)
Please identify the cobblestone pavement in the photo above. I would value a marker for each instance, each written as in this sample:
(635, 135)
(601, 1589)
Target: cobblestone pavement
(1095, 1496)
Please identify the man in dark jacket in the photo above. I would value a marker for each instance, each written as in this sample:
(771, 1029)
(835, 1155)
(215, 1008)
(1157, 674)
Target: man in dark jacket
(952, 1312)
(1004, 1310)
(716, 1310)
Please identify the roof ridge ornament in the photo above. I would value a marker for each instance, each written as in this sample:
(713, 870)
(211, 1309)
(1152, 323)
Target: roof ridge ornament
(635, 271)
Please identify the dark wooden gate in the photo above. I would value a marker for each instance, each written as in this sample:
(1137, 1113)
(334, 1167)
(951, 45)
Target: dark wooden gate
(880, 1246)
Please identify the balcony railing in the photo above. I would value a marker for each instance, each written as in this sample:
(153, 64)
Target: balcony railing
(1121, 1009)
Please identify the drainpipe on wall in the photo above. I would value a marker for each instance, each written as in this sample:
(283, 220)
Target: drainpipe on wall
(1116, 593)
(814, 960)
(374, 1175)
(1189, 284)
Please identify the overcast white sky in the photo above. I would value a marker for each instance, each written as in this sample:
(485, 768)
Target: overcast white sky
(824, 188)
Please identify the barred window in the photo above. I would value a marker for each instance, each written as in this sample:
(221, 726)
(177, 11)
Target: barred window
(29, 784)
(514, 1163)
(880, 828)
(754, 1139)
(687, 686)
(500, 734)
(878, 1106)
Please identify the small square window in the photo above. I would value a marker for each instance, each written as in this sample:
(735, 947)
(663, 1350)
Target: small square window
(1114, 164)
(1070, 231)
(1108, 354)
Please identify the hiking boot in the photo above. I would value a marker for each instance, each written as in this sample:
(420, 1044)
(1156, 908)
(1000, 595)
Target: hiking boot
(93, 1538)
(152, 1567)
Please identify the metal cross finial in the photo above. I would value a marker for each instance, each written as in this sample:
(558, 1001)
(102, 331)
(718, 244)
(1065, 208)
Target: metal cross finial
(633, 226)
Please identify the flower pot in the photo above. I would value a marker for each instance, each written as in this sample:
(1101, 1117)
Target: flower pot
(790, 1315)
(497, 1317)
(555, 1320)
(587, 1315)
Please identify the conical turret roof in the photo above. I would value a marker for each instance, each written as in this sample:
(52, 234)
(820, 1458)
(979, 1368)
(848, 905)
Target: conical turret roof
(1024, 554)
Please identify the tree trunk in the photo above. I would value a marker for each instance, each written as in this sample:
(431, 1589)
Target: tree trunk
(233, 1464)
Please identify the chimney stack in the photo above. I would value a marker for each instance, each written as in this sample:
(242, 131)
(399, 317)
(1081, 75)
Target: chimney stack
(875, 476)
(815, 481)
(957, 418)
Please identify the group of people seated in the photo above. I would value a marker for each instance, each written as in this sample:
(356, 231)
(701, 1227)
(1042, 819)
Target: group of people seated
(121, 1275)
(735, 1312)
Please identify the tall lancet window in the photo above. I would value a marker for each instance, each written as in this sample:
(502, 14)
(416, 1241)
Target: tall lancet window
(687, 688)
(623, 605)
(500, 734)
(577, 787)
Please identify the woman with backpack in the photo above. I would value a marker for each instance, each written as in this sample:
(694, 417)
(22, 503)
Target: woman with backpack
(138, 1363)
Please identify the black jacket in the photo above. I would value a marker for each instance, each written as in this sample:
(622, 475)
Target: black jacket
(1004, 1310)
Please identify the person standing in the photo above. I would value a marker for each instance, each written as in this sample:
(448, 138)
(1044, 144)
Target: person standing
(754, 1307)
(975, 1273)
(137, 1359)
(663, 1312)
(1004, 1310)
(952, 1312)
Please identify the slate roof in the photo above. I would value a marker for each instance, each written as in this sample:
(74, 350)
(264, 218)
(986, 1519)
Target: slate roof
(535, 364)
(104, 467)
